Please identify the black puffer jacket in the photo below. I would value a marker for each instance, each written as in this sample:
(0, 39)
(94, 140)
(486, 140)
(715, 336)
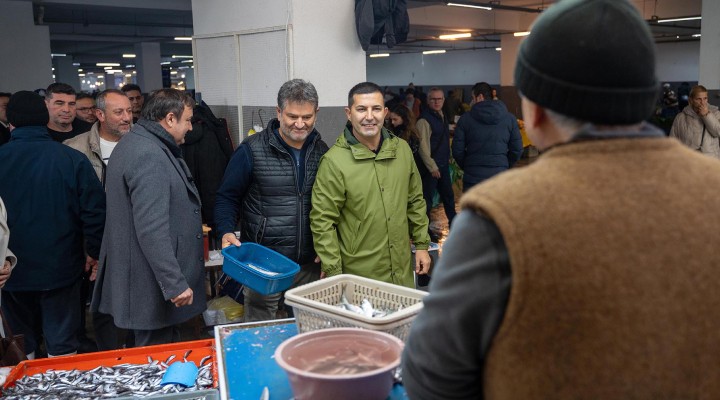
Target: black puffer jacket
(276, 208)
(375, 19)
(487, 141)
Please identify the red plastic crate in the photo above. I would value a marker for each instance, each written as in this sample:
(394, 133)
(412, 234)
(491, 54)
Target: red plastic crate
(138, 355)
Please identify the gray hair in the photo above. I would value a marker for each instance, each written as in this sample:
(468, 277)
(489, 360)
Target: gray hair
(100, 101)
(566, 123)
(297, 91)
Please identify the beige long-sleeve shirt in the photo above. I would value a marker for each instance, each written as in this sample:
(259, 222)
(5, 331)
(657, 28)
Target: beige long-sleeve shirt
(425, 131)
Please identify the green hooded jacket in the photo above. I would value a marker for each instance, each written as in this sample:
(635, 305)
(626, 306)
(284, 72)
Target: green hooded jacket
(366, 208)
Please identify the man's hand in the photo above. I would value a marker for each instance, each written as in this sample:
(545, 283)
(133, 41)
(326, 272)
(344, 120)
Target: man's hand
(702, 110)
(4, 273)
(183, 299)
(436, 174)
(228, 239)
(422, 262)
(91, 264)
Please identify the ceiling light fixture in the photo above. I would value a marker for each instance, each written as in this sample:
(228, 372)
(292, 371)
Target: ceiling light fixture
(434, 52)
(660, 21)
(165, 63)
(379, 55)
(493, 5)
(183, 38)
(58, 54)
(81, 74)
(498, 49)
(455, 36)
(177, 56)
(468, 5)
(696, 35)
(128, 55)
(108, 64)
(187, 61)
(520, 34)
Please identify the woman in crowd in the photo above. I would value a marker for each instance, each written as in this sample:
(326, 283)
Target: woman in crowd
(403, 126)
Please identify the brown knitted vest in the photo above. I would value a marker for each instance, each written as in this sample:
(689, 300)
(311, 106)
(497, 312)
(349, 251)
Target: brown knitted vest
(615, 263)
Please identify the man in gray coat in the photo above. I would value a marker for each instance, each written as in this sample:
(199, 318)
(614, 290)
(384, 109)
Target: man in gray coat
(151, 276)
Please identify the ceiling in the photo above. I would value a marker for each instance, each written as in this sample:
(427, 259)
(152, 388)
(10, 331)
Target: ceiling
(92, 31)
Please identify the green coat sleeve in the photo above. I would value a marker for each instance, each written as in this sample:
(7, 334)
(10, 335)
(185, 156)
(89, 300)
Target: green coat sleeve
(328, 199)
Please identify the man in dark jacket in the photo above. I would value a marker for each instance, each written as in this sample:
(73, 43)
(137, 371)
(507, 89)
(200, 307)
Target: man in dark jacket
(585, 275)
(152, 273)
(268, 187)
(487, 139)
(434, 125)
(56, 211)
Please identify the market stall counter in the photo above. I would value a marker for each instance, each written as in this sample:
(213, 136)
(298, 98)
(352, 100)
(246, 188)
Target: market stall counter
(246, 364)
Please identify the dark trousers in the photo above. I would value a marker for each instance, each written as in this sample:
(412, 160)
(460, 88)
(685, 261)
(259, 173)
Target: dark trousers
(259, 307)
(444, 187)
(107, 335)
(151, 337)
(56, 309)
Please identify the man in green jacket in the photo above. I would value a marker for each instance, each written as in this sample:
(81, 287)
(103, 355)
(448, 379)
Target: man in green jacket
(367, 199)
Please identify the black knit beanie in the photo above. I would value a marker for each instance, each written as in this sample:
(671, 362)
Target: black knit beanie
(27, 109)
(593, 60)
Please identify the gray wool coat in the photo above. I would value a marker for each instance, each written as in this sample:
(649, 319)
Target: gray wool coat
(152, 249)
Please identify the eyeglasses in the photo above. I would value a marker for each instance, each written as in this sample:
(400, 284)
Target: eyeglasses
(436, 99)
(85, 109)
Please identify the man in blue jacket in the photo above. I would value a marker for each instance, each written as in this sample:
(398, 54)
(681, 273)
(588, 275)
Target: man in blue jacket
(487, 139)
(56, 211)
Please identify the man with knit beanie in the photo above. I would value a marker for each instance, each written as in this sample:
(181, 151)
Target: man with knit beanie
(592, 272)
(56, 210)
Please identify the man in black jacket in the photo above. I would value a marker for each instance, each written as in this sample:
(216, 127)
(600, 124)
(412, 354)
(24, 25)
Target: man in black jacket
(267, 187)
(56, 210)
(487, 140)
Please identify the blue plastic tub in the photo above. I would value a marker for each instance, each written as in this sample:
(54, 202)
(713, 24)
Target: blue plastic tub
(261, 269)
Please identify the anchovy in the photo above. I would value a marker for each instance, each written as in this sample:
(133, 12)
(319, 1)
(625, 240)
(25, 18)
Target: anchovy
(137, 380)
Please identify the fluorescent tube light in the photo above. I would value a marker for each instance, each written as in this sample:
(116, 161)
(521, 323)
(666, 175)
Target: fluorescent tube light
(128, 55)
(519, 34)
(183, 38)
(379, 55)
(455, 36)
(108, 64)
(177, 56)
(660, 21)
(58, 54)
(434, 52)
(469, 6)
(498, 49)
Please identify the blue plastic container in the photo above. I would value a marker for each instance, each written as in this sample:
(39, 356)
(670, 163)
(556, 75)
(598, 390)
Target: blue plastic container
(261, 269)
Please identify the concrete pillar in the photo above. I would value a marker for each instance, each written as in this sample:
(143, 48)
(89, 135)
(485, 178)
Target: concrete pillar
(66, 72)
(244, 51)
(710, 46)
(147, 65)
(23, 67)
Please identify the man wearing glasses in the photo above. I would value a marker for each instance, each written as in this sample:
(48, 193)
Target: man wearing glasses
(85, 108)
(433, 124)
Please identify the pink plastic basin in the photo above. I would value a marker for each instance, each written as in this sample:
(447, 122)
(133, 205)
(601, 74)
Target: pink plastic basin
(340, 363)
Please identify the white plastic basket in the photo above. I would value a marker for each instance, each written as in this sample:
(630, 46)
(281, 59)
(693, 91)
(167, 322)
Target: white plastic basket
(314, 304)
